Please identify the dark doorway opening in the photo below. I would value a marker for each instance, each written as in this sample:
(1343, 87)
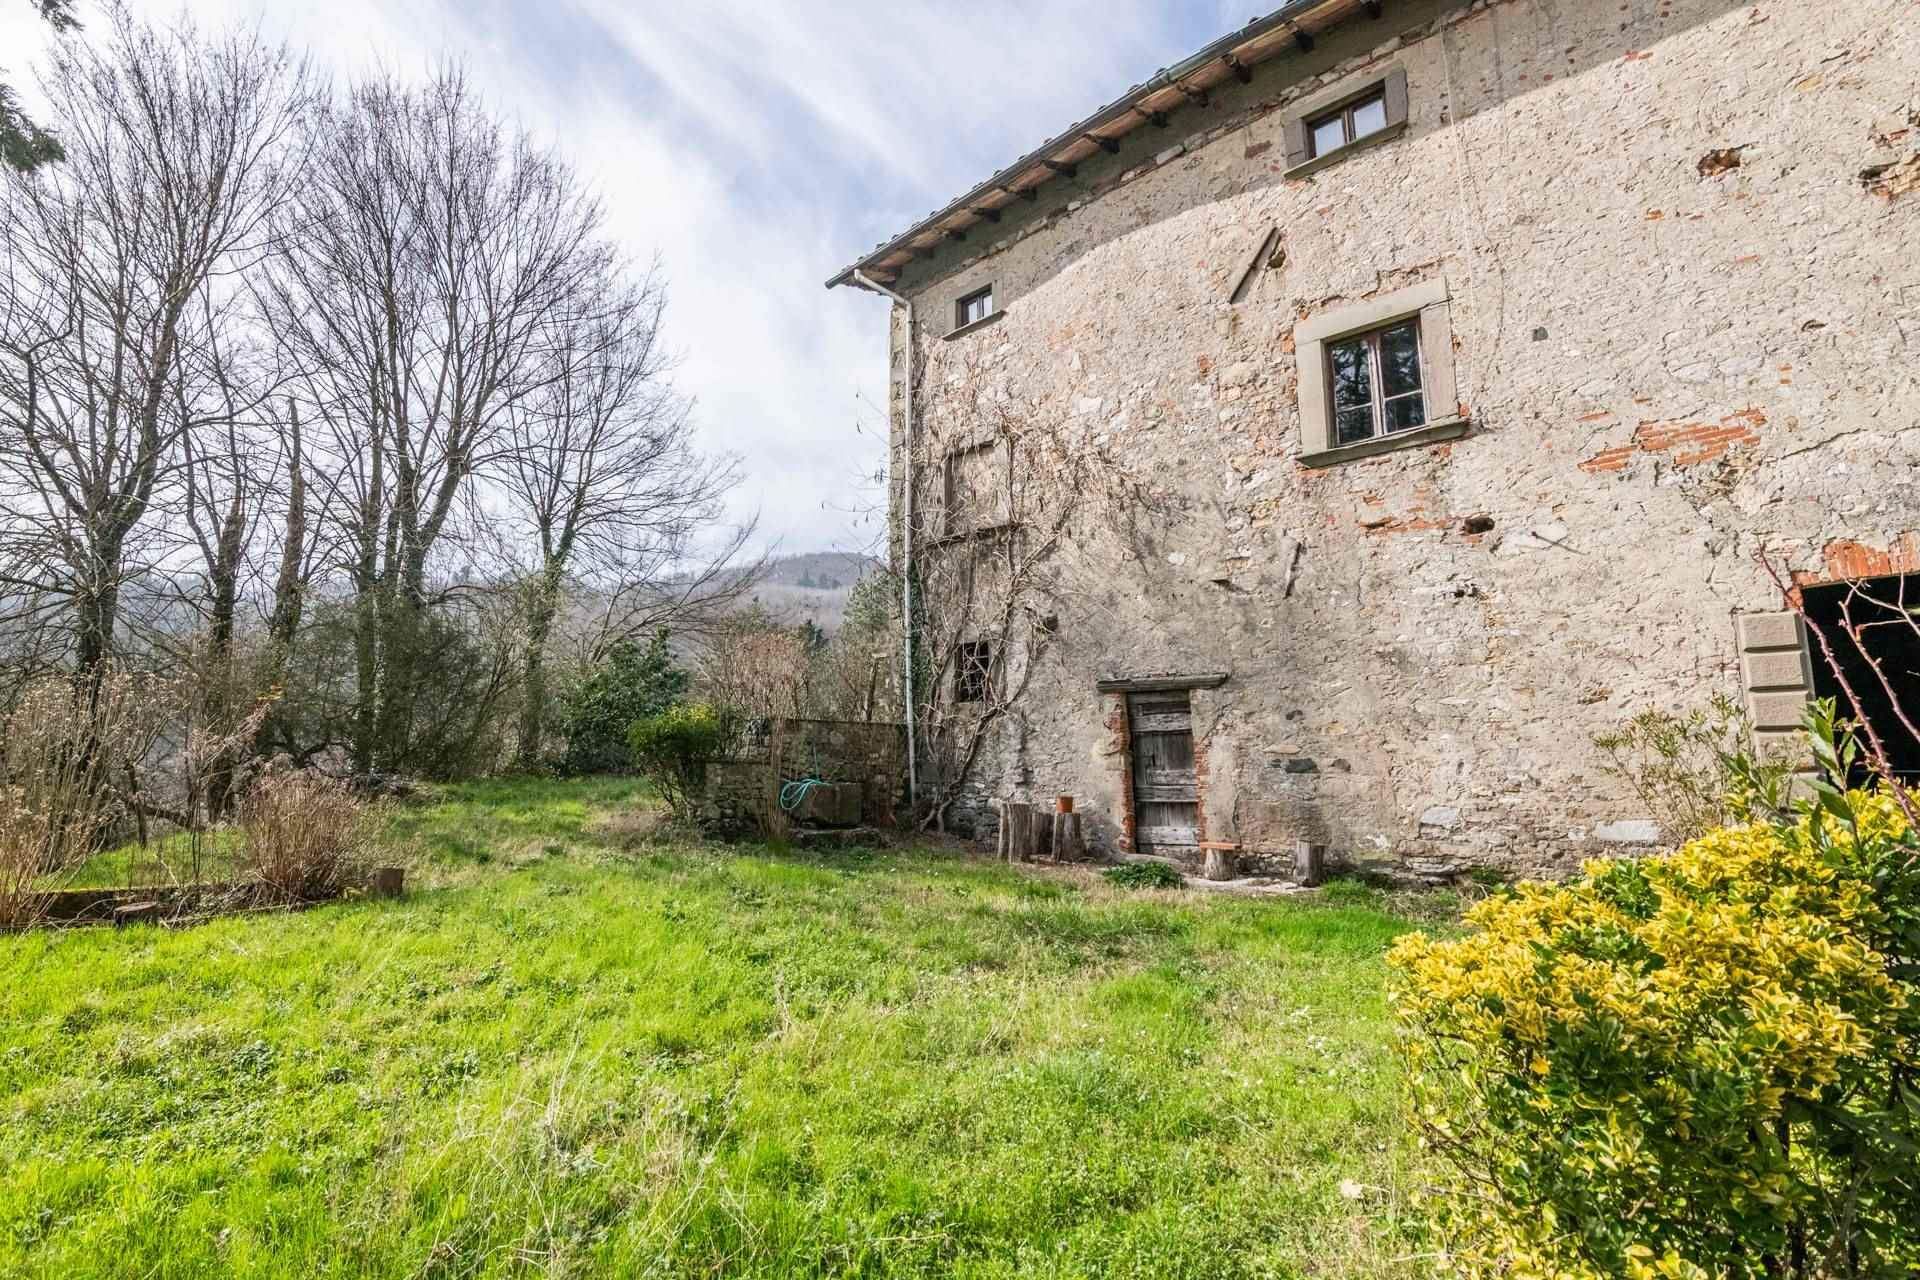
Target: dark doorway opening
(1885, 613)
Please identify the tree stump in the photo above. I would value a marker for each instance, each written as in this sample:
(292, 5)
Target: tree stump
(388, 882)
(1310, 864)
(1219, 864)
(1069, 844)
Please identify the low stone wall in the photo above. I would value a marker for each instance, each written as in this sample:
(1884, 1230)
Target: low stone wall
(742, 795)
(736, 798)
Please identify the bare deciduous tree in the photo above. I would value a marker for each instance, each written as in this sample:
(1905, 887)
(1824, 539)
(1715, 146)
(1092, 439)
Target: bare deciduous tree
(423, 267)
(605, 488)
(116, 277)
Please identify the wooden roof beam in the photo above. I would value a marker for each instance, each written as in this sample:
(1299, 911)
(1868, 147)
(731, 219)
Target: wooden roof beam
(1064, 170)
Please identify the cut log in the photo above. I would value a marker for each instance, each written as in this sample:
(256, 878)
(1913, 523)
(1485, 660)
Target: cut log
(135, 913)
(1020, 827)
(1069, 844)
(1219, 864)
(1310, 863)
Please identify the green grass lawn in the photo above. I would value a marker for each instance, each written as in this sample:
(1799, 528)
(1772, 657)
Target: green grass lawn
(576, 1052)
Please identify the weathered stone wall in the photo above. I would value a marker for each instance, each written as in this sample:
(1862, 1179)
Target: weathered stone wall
(1668, 359)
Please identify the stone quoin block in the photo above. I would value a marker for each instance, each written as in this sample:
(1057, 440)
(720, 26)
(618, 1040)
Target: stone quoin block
(1771, 631)
(1777, 669)
(1778, 710)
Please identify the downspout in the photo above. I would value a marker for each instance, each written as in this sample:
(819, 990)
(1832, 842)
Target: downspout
(906, 546)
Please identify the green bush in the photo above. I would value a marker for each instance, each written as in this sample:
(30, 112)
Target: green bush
(1145, 875)
(632, 684)
(671, 750)
(1704, 1064)
(1688, 770)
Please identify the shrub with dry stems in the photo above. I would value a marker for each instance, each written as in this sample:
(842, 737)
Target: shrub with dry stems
(62, 746)
(300, 836)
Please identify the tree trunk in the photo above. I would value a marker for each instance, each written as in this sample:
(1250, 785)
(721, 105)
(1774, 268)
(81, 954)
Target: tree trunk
(541, 609)
(366, 661)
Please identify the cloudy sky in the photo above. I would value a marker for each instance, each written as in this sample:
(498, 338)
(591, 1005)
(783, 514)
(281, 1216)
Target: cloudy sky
(758, 146)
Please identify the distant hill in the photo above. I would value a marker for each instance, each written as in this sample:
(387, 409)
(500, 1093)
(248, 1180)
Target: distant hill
(812, 586)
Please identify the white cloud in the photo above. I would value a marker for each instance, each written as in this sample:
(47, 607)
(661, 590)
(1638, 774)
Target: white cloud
(758, 147)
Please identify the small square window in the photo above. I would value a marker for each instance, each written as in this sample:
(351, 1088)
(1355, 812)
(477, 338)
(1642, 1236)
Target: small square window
(973, 672)
(973, 308)
(1347, 125)
(1375, 384)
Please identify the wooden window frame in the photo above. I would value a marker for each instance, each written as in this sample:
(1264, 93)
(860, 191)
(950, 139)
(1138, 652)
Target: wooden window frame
(1376, 381)
(1345, 115)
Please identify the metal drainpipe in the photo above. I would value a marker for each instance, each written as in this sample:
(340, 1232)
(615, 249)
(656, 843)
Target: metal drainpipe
(906, 543)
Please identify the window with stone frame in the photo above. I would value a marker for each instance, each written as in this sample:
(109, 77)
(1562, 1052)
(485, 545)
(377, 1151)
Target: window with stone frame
(973, 672)
(1375, 384)
(1378, 374)
(973, 308)
(1371, 109)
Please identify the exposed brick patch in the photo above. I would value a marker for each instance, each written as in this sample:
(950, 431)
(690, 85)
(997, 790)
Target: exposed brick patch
(1258, 149)
(1843, 560)
(1685, 443)
(1120, 746)
(1200, 785)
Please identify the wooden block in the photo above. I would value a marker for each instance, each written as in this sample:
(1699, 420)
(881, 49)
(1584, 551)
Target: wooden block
(388, 882)
(1219, 864)
(1310, 863)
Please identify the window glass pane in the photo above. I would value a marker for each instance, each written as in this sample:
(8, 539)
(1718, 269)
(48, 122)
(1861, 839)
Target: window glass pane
(1352, 383)
(1400, 360)
(1369, 117)
(1406, 412)
(1352, 424)
(1329, 135)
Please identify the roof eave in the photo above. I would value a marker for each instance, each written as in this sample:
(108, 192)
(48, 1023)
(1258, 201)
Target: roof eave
(1235, 53)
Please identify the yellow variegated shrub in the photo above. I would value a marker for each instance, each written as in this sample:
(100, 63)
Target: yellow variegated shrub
(1695, 1065)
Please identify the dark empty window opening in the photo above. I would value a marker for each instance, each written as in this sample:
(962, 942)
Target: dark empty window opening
(973, 672)
(1885, 613)
(1347, 125)
(1375, 382)
(973, 308)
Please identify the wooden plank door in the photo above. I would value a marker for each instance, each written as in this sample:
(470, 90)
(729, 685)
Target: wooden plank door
(1166, 797)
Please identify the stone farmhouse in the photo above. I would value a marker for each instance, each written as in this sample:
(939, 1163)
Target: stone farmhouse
(1488, 347)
